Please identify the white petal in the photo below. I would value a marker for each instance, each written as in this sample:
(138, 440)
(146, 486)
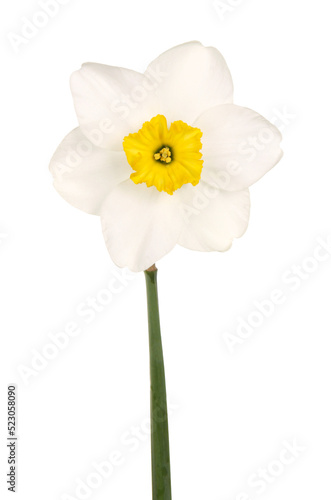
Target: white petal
(140, 225)
(239, 146)
(192, 78)
(214, 218)
(111, 102)
(83, 174)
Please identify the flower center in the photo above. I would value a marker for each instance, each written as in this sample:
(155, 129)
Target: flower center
(163, 155)
(166, 158)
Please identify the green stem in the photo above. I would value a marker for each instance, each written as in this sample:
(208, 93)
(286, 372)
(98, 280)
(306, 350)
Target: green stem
(161, 480)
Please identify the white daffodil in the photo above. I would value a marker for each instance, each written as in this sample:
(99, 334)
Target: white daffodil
(163, 157)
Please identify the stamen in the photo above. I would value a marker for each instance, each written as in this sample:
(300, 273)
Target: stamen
(163, 155)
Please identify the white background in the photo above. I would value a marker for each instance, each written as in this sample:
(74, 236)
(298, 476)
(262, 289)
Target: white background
(231, 412)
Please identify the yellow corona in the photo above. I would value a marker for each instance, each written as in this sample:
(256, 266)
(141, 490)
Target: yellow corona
(166, 158)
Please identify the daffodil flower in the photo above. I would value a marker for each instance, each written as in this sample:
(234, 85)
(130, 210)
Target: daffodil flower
(163, 157)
